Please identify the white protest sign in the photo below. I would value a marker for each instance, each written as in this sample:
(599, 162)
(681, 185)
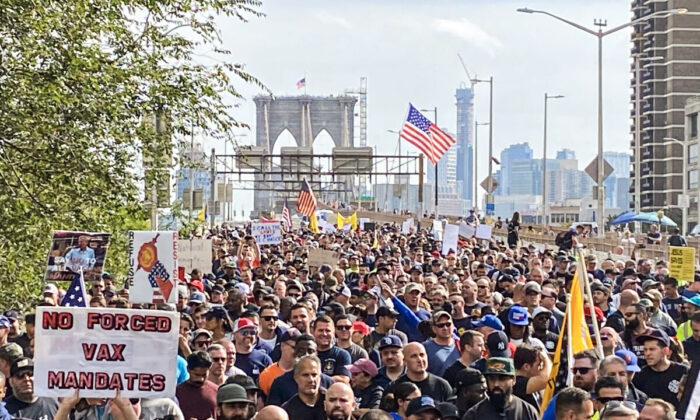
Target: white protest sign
(406, 226)
(437, 230)
(100, 350)
(152, 266)
(450, 240)
(267, 233)
(195, 253)
(362, 222)
(483, 231)
(466, 230)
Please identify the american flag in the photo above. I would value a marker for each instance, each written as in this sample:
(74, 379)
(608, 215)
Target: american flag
(306, 202)
(287, 216)
(75, 295)
(158, 271)
(301, 83)
(426, 136)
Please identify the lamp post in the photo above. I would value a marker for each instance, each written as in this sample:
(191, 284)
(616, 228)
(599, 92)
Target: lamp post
(547, 97)
(600, 34)
(398, 138)
(434, 111)
(476, 160)
(684, 209)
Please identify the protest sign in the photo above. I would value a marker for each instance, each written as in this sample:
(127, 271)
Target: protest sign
(406, 226)
(195, 253)
(681, 263)
(450, 239)
(370, 227)
(152, 266)
(100, 350)
(71, 251)
(318, 257)
(268, 233)
(466, 230)
(483, 231)
(363, 220)
(437, 230)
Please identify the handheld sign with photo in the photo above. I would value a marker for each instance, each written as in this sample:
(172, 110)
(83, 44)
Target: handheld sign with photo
(71, 251)
(268, 233)
(100, 350)
(450, 240)
(152, 266)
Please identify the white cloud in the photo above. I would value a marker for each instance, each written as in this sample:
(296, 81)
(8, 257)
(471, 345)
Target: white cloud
(329, 19)
(468, 31)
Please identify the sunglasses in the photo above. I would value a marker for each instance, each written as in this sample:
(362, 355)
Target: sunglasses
(343, 327)
(444, 325)
(218, 359)
(294, 295)
(247, 332)
(605, 400)
(582, 370)
(270, 318)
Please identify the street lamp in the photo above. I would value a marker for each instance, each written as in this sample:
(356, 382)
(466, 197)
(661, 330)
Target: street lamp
(600, 34)
(490, 124)
(544, 161)
(398, 137)
(684, 209)
(476, 160)
(434, 111)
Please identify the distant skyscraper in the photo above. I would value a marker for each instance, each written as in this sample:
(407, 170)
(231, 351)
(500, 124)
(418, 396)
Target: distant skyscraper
(566, 154)
(519, 151)
(464, 146)
(614, 198)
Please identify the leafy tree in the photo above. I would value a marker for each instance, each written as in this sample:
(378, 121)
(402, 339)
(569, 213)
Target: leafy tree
(81, 83)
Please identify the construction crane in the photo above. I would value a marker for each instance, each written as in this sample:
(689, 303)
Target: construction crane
(472, 81)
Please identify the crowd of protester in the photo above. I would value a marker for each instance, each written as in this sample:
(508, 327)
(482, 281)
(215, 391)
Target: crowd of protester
(395, 330)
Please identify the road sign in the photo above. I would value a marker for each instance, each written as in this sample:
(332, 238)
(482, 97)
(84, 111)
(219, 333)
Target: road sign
(485, 184)
(592, 169)
(683, 201)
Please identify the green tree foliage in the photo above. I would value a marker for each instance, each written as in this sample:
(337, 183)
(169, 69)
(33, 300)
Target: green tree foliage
(79, 82)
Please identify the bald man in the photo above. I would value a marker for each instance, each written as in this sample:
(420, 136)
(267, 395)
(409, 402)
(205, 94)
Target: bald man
(339, 402)
(272, 412)
(416, 361)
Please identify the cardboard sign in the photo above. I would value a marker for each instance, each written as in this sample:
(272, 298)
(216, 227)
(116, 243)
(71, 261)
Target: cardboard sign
(406, 226)
(369, 227)
(71, 251)
(466, 230)
(152, 266)
(450, 240)
(268, 233)
(318, 257)
(100, 350)
(195, 253)
(681, 263)
(483, 231)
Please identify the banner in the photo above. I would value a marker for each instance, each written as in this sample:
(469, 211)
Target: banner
(450, 240)
(100, 350)
(269, 233)
(681, 263)
(351, 220)
(152, 266)
(573, 338)
(71, 251)
(195, 253)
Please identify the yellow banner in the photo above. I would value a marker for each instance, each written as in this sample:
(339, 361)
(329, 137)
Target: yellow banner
(681, 263)
(313, 223)
(351, 220)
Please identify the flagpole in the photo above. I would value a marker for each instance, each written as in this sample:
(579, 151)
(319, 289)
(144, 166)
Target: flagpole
(304, 82)
(436, 174)
(589, 296)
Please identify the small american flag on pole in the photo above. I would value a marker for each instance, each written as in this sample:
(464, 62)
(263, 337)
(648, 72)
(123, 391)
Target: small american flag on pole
(426, 136)
(75, 295)
(306, 202)
(287, 216)
(301, 83)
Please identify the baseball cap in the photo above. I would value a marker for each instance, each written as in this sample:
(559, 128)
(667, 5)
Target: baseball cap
(290, 334)
(197, 297)
(410, 287)
(386, 311)
(243, 323)
(390, 341)
(244, 381)
(490, 321)
(540, 310)
(497, 343)
(12, 315)
(468, 376)
(361, 327)
(218, 312)
(21, 364)
(695, 300)
(50, 289)
(439, 314)
(649, 283)
(499, 366)
(11, 351)
(517, 315)
(197, 284)
(630, 359)
(532, 287)
(448, 410)
(599, 286)
(422, 404)
(232, 393)
(363, 365)
(655, 334)
(4, 322)
(598, 312)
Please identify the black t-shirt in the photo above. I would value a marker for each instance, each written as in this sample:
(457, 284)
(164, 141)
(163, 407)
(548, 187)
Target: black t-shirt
(297, 409)
(334, 360)
(692, 349)
(284, 387)
(469, 308)
(463, 324)
(664, 385)
(43, 408)
(616, 321)
(450, 374)
(432, 386)
(368, 397)
(652, 237)
(549, 339)
(673, 308)
(520, 391)
(516, 410)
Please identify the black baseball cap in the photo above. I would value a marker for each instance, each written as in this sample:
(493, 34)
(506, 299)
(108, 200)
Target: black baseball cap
(655, 334)
(386, 311)
(390, 341)
(20, 365)
(467, 377)
(497, 343)
(422, 404)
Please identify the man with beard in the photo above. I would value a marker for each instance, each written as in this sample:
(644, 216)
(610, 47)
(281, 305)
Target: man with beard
(308, 403)
(501, 403)
(470, 389)
(197, 395)
(340, 401)
(636, 326)
(473, 346)
(232, 403)
(390, 351)
(585, 369)
(23, 403)
(300, 319)
(431, 385)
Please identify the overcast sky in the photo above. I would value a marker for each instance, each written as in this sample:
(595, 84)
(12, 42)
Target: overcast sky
(408, 52)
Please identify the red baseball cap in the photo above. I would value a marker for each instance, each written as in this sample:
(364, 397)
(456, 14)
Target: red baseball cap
(363, 365)
(197, 284)
(598, 312)
(361, 327)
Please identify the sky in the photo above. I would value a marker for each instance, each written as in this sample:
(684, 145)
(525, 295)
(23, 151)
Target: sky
(408, 52)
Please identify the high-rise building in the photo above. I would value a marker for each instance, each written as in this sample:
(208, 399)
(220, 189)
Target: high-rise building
(514, 152)
(566, 154)
(464, 147)
(665, 84)
(620, 163)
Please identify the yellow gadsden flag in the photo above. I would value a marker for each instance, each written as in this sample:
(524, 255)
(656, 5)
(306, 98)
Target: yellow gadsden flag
(573, 338)
(313, 223)
(349, 220)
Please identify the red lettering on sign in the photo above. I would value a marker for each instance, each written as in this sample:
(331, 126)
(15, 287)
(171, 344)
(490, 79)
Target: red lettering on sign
(130, 379)
(89, 351)
(57, 320)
